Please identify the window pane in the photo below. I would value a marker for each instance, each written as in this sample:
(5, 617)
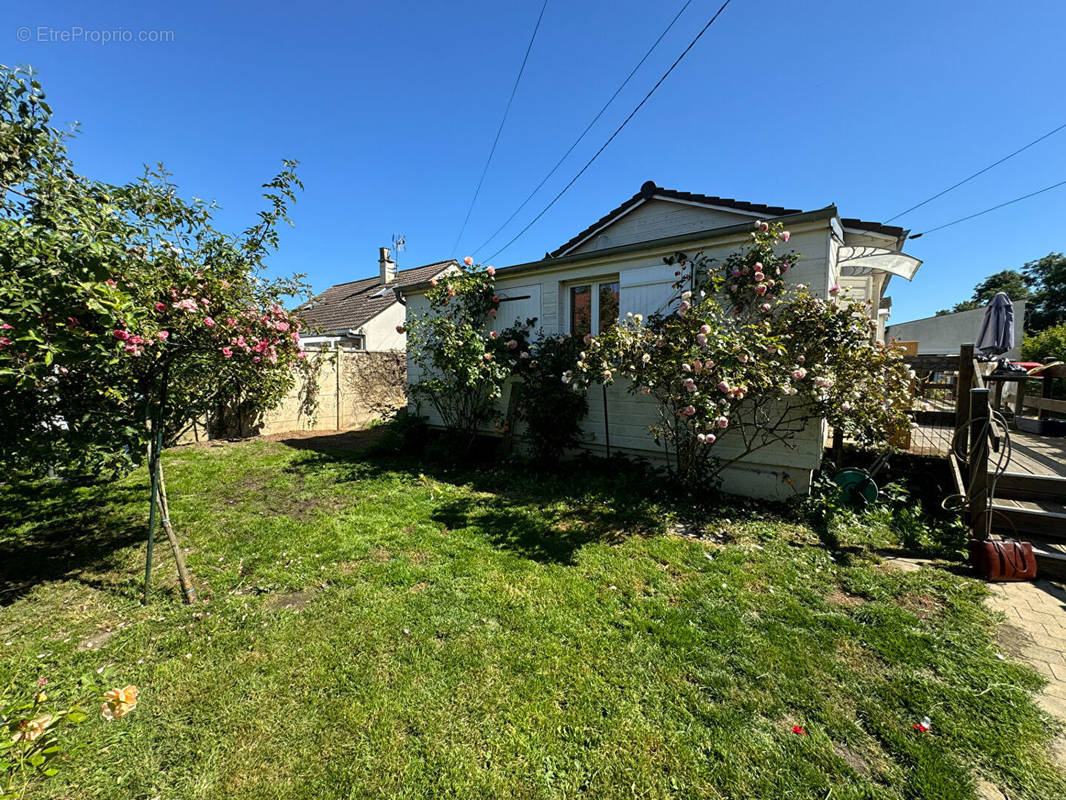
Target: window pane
(608, 305)
(580, 310)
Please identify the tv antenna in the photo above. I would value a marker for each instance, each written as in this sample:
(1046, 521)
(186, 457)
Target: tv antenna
(399, 243)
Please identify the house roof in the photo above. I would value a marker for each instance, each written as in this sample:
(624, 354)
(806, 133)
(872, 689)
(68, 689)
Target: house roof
(353, 304)
(649, 191)
(662, 243)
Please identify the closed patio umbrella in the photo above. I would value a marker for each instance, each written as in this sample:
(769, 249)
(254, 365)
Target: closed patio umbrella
(997, 328)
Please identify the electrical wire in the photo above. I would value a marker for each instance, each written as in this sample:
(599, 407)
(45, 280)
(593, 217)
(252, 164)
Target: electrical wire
(588, 127)
(496, 141)
(617, 131)
(979, 172)
(987, 210)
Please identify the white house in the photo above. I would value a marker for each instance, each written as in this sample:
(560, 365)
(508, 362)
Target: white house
(615, 266)
(364, 314)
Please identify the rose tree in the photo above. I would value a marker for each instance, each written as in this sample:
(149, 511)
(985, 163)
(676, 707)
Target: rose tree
(124, 314)
(745, 356)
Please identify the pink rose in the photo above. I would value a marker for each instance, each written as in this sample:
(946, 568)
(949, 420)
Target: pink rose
(487, 356)
(799, 374)
(111, 283)
(701, 340)
(834, 288)
(760, 289)
(759, 276)
(163, 335)
(688, 411)
(765, 307)
(512, 345)
(468, 261)
(711, 438)
(723, 387)
(120, 334)
(736, 273)
(723, 422)
(491, 271)
(160, 307)
(6, 327)
(785, 235)
(494, 335)
(209, 322)
(432, 281)
(227, 352)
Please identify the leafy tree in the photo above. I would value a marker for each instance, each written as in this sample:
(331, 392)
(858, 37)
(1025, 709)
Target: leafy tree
(1014, 283)
(1048, 277)
(124, 313)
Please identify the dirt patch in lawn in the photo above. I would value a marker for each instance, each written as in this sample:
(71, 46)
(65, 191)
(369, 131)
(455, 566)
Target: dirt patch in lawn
(293, 499)
(921, 605)
(843, 599)
(289, 601)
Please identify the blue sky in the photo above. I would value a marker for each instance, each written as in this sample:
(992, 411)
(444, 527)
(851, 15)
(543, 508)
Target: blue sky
(391, 109)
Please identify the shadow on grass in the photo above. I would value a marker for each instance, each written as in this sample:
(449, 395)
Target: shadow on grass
(544, 516)
(49, 533)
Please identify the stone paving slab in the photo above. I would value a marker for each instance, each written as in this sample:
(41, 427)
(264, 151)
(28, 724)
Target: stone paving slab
(1036, 616)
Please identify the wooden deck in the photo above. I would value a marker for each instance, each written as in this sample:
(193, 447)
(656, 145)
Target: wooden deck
(1024, 498)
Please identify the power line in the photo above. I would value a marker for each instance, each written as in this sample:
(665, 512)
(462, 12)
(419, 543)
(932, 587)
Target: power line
(979, 172)
(987, 210)
(588, 127)
(506, 111)
(617, 131)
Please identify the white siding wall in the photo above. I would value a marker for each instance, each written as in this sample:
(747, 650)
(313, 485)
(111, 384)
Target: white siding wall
(654, 219)
(519, 303)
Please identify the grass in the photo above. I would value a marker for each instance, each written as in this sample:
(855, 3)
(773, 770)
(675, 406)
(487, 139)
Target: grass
(380, 629)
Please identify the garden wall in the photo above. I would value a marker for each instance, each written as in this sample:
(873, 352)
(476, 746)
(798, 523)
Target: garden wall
(354, 389)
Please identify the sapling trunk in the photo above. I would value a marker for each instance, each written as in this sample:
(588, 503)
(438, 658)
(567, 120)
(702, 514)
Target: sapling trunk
(187, 588)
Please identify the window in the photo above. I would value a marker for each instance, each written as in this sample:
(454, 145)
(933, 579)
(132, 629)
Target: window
(593, 307)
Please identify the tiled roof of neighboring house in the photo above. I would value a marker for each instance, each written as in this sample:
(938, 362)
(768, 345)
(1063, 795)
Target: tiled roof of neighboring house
(649, 190)
(350, 305)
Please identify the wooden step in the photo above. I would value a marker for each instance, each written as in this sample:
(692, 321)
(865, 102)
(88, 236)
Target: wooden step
(1049, 563)
(1022, 486)
(1012, 518)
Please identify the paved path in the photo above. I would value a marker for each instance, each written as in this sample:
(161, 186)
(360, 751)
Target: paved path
(1037, 611)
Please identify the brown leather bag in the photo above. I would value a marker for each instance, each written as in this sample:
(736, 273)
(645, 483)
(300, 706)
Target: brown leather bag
(1003, 559)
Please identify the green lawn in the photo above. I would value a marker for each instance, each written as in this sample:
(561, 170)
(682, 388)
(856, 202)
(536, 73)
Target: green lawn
(380, 628)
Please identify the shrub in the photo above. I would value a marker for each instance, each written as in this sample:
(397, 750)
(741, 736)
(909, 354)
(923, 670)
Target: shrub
(1049, 343)
(552, 410)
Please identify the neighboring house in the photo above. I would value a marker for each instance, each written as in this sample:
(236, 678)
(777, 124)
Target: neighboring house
(364, 314)
(615, 266)
(944, 335)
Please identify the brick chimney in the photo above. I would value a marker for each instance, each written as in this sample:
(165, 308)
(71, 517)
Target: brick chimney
(387, 265)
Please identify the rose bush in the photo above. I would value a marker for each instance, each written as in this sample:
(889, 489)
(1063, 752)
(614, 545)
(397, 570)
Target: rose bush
(464, 365)
(747, 356)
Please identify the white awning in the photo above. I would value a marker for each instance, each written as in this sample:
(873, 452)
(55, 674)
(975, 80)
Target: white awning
(864, 260)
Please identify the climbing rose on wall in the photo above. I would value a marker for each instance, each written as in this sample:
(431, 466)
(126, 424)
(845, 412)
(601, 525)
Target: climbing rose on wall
(744, 358)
